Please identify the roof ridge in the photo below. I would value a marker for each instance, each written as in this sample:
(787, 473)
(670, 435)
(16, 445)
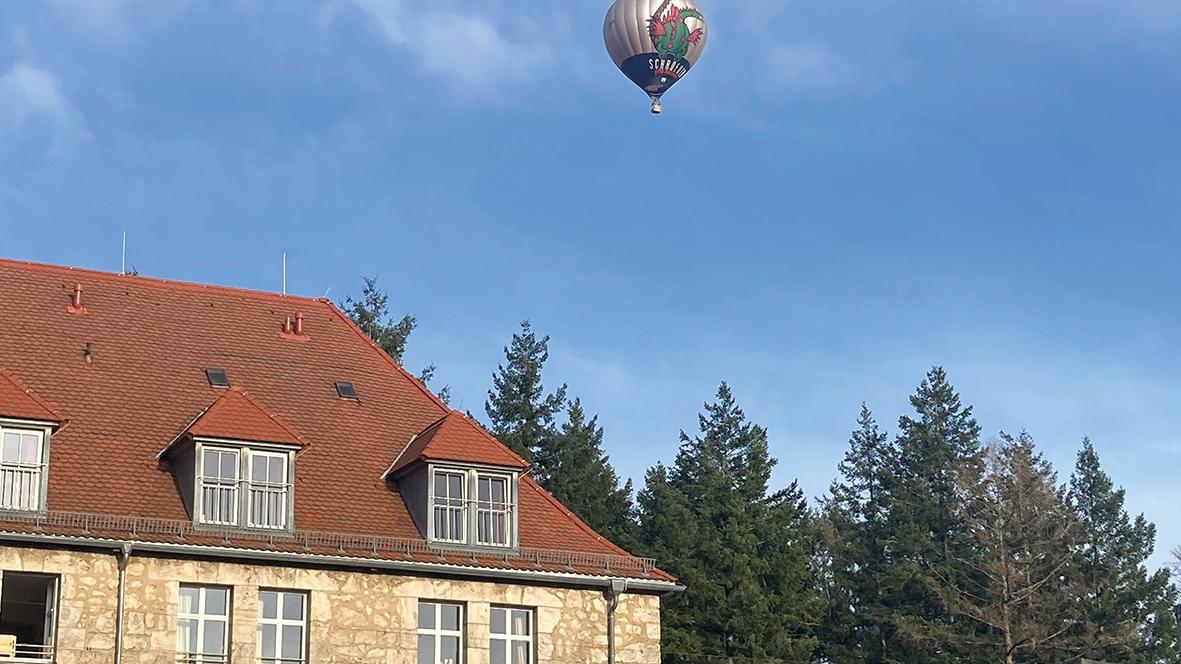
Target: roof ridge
(28, 391)
(156, 281)
(489, 436)
(410, 442)
(536, 486)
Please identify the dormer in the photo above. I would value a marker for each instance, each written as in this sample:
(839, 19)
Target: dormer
(460, 485)
(235, 466)
(27, 424)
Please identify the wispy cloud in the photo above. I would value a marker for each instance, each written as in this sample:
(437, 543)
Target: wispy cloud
(481, 53)
(36, 112)
(116, 22)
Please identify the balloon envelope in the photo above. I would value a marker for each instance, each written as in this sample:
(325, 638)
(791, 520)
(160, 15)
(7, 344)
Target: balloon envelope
(655, 42)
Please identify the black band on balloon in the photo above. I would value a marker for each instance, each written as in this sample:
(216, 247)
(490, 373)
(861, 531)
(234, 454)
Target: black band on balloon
(655, 73)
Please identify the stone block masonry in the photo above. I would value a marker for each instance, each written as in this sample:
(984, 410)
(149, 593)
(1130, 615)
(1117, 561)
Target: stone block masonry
(355, 617)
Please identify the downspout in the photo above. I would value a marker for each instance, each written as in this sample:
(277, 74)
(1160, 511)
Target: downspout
(124, 554)
(617, 588)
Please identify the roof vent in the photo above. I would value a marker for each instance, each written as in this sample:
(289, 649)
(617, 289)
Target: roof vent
(217, 378)
(76, 307)
(346, 390)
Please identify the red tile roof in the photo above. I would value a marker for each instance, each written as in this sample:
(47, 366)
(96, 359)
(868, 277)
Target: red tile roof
(19, 402)
(236, 416)
(457, 438)
(129, 375)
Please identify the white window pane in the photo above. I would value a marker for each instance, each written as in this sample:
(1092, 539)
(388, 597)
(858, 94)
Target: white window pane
(426, 616)
(520, 623)
(292, 642)
(455, 486)
(277, 471)
(521, 652)
(499, 621)
(215, 638)
(498, 651)
(30, 449)
(292, 606)
(186, 634)
(229, 465)
(483, 489)
(270, 604)
(449, 617)
(440, 485)
(188, 599)
(258, 469)
(449, 650)
(10, 451)
(267, 638)
(215, 601)
(498, 491)
(426, 649)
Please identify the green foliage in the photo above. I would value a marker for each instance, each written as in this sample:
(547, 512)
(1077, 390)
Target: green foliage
(582, 478)
(1128, 611)
(744, 554)
(372, 314)
(522, 414)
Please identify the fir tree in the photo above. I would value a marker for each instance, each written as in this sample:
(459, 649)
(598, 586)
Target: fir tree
(372, 314)
(521, 413)
(925, 536)
(1128, 610)
(582, 478)
(855, 629)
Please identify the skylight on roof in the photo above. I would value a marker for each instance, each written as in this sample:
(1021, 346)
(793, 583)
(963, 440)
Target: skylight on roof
(346, 390)
(217, 377)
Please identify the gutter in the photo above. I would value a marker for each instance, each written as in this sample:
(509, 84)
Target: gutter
(350, 562)
(617, 588)
(124, 554)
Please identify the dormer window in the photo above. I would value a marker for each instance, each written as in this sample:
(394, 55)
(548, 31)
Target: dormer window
(23, 455)
(472, 506)
(243, 487)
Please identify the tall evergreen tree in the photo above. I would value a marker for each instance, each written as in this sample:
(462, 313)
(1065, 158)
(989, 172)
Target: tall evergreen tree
(744, 554)
(925, 535)
(582, 478)
(856, 626)
(522, 414)
(1023, 534)
(1128, 610)
(372, 314)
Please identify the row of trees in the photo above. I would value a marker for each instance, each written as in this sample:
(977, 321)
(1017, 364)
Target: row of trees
(932, 546)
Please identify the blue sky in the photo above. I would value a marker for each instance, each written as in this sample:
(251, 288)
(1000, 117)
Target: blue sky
(839, 196)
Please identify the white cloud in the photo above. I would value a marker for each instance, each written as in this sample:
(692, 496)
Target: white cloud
(35, 110)
(473, 52)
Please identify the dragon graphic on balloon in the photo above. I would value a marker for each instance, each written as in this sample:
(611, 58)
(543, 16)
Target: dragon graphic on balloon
(655, 42)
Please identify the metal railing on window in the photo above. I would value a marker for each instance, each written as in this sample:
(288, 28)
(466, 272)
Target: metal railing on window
(219, 502)
(281, 660)
(201, 658)
(20, 486)
(30, 653)
(268, 504)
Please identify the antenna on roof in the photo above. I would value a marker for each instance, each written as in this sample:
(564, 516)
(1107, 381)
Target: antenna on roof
(284, 272)
(123, 260)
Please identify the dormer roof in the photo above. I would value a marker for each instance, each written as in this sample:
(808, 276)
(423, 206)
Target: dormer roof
(235, 415)
(21, 403)
(456, 438)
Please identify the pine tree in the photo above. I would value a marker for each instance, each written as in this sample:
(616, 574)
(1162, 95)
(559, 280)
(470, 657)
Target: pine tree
(744, 554)
(924, 534)
(522, 414)
(1023, 534)
(855, 629)
(1129, 615)
(582, 478)
(372, 314)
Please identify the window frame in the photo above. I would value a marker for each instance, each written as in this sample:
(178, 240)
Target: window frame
(244, 485)
(44, 431)
(508, 637)
(182, 654)
(52, 617)
(471, 506)
(437, 632)
(280, 622)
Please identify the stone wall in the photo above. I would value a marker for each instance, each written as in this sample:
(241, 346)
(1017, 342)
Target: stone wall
(354, 617)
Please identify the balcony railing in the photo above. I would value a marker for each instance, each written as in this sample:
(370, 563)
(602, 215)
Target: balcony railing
(28, 653)
(200, 658)
(343, 544)
(20, 486)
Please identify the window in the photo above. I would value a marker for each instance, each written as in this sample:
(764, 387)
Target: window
(511, 639)
(472, 507)
(28, 611)
(492, 511)
(22, 469)
(202, 628)
(449, 504)
(282, 627)
(244, 487)
(268, 490)
(440, 633)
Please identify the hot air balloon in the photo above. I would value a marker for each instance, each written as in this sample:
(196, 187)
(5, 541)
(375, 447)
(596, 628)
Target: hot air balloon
(655, 42)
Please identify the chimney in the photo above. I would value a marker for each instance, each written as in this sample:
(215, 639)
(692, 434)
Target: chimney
(76, 301)
(299, 324)
(287, 325)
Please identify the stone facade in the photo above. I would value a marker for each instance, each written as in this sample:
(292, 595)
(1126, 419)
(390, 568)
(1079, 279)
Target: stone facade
(354, 616)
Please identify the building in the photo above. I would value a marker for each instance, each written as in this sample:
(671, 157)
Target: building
(204, 475)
